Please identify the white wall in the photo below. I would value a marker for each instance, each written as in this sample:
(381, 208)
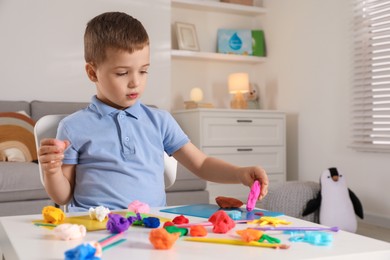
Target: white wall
(41, 48)
(310, 69)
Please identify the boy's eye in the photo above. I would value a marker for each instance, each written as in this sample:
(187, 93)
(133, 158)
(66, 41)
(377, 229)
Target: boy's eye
(121, 73)
(144, 71)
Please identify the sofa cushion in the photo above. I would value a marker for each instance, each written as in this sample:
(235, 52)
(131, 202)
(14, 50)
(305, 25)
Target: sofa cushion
(17, 141)
(43, 108)
(20, 181)
(291, 197)
(14, 106)
(24, 207)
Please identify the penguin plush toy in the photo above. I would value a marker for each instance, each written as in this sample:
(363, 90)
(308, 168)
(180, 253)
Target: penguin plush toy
(337, 204)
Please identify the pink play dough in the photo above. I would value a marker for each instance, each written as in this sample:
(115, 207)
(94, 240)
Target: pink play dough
(253, 195)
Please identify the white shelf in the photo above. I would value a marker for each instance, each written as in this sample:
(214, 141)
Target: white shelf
(211, 56)
(219, 7)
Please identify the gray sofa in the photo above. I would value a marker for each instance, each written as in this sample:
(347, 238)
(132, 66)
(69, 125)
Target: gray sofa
(21, 191)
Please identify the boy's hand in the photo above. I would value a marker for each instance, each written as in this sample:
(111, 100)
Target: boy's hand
(248, 175)
(51, 153)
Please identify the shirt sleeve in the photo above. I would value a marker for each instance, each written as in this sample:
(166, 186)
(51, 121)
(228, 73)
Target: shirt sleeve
(174, 137)
(70, 154)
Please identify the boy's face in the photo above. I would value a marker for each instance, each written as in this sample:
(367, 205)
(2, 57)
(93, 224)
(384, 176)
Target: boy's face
(120, 80)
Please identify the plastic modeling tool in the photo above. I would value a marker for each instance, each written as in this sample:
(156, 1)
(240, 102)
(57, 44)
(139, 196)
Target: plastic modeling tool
(235, 242)
(206, 224)
(334, 229)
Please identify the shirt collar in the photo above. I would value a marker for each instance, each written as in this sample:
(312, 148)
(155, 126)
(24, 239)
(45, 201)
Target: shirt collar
(134, 110)
(104, 109)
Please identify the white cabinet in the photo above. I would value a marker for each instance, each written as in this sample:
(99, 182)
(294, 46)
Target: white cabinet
(241, 137)
(208, 69)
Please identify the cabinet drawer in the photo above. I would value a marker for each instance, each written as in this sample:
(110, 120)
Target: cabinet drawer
(237, 191)
(231, 131)
(272, 159)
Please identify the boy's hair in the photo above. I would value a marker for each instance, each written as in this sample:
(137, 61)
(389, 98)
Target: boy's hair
(113, 30)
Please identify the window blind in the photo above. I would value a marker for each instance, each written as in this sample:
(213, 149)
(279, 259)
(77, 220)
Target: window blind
(371, 85)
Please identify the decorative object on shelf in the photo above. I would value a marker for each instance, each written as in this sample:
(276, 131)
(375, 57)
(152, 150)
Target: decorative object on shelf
(258, 43)
(233, 41)
(252, 97)
(186, 36)
(238, 85)
(243, 42)
(239, 2)
(196, 96)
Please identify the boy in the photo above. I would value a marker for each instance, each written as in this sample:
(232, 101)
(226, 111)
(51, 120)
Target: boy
(113, 149)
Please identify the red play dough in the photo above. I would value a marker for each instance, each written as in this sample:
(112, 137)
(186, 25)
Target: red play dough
(168, 223)
(180, 220)
(228, 203)
(222, 222)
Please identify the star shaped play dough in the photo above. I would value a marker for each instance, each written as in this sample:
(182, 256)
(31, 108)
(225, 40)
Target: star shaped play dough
(269, 221)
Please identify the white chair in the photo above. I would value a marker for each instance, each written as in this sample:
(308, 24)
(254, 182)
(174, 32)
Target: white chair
(46, 127)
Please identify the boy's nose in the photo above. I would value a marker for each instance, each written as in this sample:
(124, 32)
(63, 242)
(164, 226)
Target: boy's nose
(134, 81)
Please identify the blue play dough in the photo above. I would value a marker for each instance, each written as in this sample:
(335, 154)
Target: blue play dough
(316, 238)
(151, 222)
(81, 252)
(234, 214)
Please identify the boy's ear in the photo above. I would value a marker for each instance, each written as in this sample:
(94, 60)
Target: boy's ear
(90, 69)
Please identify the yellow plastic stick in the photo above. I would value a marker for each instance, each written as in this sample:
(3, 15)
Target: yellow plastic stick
(234, 242)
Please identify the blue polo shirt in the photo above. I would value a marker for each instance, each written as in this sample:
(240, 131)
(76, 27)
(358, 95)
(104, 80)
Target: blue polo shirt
(119, 154)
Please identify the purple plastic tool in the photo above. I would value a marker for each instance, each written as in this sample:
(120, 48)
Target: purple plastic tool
(334, 229)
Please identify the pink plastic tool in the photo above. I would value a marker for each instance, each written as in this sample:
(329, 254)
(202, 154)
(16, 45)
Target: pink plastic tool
(253, 195)
(206, 224)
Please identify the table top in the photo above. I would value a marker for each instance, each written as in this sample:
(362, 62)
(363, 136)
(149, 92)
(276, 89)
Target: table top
(21, 239)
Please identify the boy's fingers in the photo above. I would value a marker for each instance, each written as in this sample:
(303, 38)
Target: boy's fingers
(50, 158)
(67, 144)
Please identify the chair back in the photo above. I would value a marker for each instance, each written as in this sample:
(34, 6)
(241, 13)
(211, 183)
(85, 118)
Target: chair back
(46, 127)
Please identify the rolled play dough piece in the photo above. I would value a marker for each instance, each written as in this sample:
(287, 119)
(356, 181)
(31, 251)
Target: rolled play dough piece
(253, 195)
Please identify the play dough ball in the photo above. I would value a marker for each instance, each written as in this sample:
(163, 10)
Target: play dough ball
(198, 231)
(162, 239)
(228, 203)
(60, 144)
(222, 222)
(250, 234)
(138, 207)
(53, 215)
(70, 231)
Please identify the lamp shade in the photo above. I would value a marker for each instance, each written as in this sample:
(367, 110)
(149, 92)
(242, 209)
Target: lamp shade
(196, 94)
(238, 82)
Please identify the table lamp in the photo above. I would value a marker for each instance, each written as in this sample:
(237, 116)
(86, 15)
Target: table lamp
(238, 85)
(196, 97)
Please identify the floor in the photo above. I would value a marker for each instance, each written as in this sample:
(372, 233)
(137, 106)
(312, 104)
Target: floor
(376, 232)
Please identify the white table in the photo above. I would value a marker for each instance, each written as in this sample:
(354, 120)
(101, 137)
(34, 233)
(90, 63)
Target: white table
(20, 239)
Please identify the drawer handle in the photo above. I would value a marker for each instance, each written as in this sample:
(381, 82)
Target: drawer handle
(244, 121)
(244, 149)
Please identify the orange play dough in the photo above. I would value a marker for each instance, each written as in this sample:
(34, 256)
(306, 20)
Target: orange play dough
(198, 231)
(53, 215)
(162, 239)
(250, 234)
